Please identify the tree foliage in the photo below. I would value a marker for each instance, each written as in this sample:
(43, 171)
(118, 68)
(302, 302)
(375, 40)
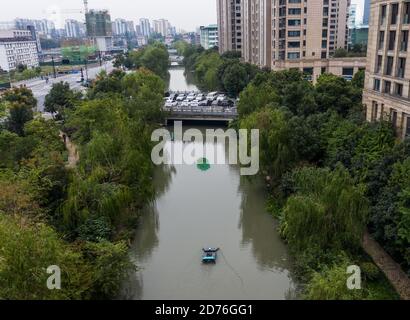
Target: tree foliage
(20, 103)
(327, 210)
(60, 98)
(153, 57)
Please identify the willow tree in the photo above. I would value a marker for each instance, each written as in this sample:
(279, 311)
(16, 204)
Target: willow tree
(328, 211)
(276, 153)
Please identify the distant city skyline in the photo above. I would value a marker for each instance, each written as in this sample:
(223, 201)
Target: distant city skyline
(183, 14)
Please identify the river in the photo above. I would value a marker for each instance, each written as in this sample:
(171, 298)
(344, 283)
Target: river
(214, 208)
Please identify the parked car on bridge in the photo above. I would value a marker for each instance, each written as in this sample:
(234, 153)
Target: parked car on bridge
(221, 97)
(203, 103)
(191, 97)
(200, 97)
(194, 104)
(215, 103)
(171, 104)
(185, 103)
(226, 103)
(212, 96)
(181, 97)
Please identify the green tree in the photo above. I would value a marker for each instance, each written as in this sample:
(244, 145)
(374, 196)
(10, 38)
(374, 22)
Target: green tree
(340, 53)
(326, 212)
(335, 93)
(27, 250)
(60, 98)
(235, 79)
(21, 104)
(358, 79)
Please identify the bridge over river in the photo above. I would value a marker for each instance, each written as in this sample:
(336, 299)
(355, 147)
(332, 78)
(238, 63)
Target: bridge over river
(200, 109)
(201, 115)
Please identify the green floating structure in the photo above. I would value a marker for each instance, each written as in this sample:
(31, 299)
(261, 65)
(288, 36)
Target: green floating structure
(203, 164)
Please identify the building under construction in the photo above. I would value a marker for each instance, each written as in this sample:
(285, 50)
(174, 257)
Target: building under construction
(99, 29)
(98, 23)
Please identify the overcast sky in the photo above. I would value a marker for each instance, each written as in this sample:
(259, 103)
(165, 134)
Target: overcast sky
(185, 14)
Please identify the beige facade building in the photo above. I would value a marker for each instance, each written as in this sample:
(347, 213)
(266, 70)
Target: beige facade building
(311, 29)
(387, 89)
(277, 31)
(257, 32)
(313, 68)
(230, 25)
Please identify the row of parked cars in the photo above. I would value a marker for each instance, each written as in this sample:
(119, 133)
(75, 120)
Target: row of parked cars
(194, 100)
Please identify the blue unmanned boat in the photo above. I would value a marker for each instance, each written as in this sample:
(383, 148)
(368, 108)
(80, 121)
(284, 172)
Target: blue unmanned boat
(209, 255)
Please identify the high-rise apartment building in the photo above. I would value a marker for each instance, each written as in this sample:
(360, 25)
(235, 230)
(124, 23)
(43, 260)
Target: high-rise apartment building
(387, 85)
(257, 31)
(209, 36)
(366, 12)
(145, 27)
(99, 29)
(162, 26)
(271, 32)
(308, 29)
(131, 28)
(351, 23)
(119, 27)
(74, 29)
(98, 24)
(230, 25)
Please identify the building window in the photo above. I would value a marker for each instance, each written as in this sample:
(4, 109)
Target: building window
(295, 1)
(387, 87)
(294, 22)
(324, 33)
(348, 71)
(404, 40)
(294, 11)
(293, 44)
(374, 110)
(383, 14)
(392, 40)
(308, 71)
(293, 34)
(376, 85)
(324, 44)
(401, 67)
(406, 13)
(323, 70)
(381, 40)
(398, 89)
(408, 127)
(379, 64)
(393, 117)
(293, 55)
(394, 13)
(389, 66)
(323, 55)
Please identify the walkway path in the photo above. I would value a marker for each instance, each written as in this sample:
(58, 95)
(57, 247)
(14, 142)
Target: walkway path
(73, 156)
(397, 277)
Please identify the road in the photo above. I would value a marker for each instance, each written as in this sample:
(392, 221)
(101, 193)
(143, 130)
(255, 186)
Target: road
(41, 89)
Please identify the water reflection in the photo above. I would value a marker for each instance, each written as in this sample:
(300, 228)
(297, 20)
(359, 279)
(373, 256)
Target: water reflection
(257, 226)
(181, 80)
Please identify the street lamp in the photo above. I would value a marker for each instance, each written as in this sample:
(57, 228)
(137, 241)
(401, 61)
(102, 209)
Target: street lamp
(86, 68)
(54, 67)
